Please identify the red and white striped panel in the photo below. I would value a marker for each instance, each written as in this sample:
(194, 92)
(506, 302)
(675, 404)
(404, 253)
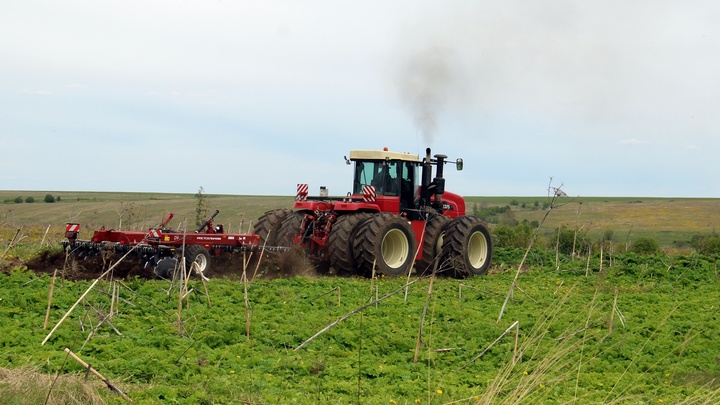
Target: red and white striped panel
(369, 194)
(302, 192)
(72, 228)
(155, 233)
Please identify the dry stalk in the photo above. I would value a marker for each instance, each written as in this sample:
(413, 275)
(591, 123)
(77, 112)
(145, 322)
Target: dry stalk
(557, 193)
(372, 278)
(143, 298)
(262, 252)
(460, 287)
(418, 342)
(516, 326)
(50, 295)
(511, 388)
(582, 345)
(412, 264)
(42, 241)
(107, 382)
(86, 293)
(557, 250)
(349, 314)
(587, 265)
(577, 217)
(632, 362)
(612, 313)
(246, 300)
(13, 242)
(207, 293)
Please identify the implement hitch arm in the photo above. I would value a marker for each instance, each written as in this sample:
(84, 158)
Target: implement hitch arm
(207, 223)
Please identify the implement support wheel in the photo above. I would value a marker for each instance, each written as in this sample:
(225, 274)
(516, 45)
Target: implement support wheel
(199, 258)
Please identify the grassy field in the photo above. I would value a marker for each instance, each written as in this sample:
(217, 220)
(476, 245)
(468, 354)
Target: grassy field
(137, 210)
(640, 330)
(634, 333)
(670, 221)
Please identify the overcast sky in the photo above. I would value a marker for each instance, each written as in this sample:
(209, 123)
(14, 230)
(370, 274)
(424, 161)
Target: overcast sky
(607, 98)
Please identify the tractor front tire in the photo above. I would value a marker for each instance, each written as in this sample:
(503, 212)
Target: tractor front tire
(468, 246)
(340, 242)
(432, 243)
(387, 242)
(268, 226)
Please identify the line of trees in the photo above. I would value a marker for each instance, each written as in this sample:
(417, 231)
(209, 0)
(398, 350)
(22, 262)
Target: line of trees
(49, 198)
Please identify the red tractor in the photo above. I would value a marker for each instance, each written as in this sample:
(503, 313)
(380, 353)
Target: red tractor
(388, 222)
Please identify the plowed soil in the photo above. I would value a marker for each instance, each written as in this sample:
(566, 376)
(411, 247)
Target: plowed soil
(272, 265)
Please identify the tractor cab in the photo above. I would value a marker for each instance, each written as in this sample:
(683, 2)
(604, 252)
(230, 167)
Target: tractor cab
(392, 174)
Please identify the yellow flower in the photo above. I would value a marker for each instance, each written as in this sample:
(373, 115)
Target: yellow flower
(439, 391)
(660, 400)
(476, 397)
(232, 371)
(392, 401)
(417, 400)
(237, 357)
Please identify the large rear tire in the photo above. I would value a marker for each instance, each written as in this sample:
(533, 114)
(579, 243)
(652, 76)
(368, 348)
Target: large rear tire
(432, 243)
(468, 245)
(268, 226)
(387, 241)
(340, 242)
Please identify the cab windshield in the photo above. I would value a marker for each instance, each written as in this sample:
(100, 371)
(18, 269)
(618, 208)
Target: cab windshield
(381, 174)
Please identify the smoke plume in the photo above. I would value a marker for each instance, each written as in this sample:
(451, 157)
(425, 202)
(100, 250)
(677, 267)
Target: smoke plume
(425, 81)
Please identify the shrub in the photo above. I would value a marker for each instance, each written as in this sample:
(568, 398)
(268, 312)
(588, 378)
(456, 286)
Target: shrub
(645, 246)
(30, 199)
(49, 198)
(608, 235)
(568, 238)
(706, 244)
(494, 215)
(513, 236)
(18, 200)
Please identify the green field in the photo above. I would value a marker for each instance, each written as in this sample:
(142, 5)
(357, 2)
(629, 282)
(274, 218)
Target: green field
(639, 329)
(635, 333)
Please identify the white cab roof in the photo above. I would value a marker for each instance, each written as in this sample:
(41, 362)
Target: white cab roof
(382, 155)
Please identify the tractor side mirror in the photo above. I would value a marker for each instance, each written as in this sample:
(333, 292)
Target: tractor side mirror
(459, 163)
